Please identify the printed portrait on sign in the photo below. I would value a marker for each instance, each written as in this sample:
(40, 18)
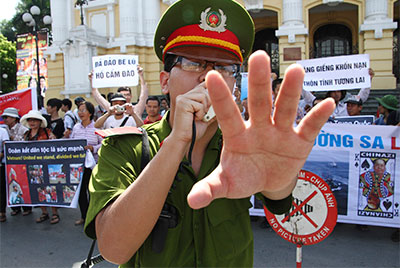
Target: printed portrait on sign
(376, 184)
(35, 173)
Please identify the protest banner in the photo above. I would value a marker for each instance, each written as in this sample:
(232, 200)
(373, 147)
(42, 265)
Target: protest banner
(26, 59)
(354, 120)
(23, 100)
(45, 173)
(336, 73)
(115, 71)
(361, 164)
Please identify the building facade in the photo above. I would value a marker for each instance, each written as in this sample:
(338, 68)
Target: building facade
(289, 30)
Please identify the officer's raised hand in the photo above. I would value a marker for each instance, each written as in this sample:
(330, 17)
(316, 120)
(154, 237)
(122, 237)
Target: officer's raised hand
(265, 153)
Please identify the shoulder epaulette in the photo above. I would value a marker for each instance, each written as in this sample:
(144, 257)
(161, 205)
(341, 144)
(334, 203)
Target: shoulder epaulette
(104, 133)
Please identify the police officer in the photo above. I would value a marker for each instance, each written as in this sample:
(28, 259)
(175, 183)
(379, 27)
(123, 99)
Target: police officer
(189, 206)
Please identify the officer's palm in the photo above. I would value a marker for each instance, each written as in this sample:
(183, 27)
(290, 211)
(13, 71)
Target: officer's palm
(265, 153)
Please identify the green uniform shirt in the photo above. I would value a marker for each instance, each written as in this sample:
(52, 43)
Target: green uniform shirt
(218, 235)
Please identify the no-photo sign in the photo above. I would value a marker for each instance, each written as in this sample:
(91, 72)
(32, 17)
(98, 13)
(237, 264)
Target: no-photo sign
(313, 214)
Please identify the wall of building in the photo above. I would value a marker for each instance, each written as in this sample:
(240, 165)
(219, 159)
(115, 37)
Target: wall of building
(379, 49)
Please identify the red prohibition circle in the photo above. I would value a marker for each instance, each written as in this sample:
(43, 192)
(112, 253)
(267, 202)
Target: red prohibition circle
(313, 215)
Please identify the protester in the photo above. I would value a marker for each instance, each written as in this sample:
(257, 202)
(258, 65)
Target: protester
(207, 223)
(69, 118)
(16, 132)
(3, 182)
(120, 114)
(77, 101)
(86, 130)
(126, 91)
(394, 118)
(276, 85)
(15, 129)
(387, 104)
(339, 97)
(37, 131)
(152, 110)
(245, 113)
(164, 106)
(353, 106)
(237, 95)
(55, 122)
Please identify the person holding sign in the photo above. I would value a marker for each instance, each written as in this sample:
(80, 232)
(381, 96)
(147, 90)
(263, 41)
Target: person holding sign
(38, 130)
(126, 91)
(340, 96)
(120, 114)
(189, 206)
(16, 132)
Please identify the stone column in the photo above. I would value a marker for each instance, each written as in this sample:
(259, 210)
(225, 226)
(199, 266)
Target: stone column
(376, 18)
(60, 21)
(254, 5)
(127, 11)
(292, 33)
(151, 10)
(292, 23)
(111, 22)
(377, 30)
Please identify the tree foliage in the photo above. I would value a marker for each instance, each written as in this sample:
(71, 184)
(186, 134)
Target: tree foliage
(17, 26)
(7, 65)
(8, 32)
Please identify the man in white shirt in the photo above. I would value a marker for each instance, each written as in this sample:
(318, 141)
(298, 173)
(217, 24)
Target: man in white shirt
(69, 118)
(120, 114)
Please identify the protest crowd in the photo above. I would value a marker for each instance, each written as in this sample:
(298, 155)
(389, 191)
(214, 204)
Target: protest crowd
(80, 119)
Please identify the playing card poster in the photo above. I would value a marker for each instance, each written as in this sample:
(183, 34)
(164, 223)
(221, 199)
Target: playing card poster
(361, 165)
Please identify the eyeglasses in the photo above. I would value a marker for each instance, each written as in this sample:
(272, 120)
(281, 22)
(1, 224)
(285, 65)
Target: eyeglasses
(82, 111)
(198, 66)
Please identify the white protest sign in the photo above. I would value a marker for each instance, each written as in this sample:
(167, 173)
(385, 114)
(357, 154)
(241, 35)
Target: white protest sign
(336, 73)
(115, 71)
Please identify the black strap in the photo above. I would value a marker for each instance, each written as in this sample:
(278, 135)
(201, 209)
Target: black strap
(72, 117)
(124, 122)
(88, 261)
(145, 149)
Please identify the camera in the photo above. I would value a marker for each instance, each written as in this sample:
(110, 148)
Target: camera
(120, 108)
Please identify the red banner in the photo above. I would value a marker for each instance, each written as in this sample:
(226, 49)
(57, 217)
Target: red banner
(24, 100)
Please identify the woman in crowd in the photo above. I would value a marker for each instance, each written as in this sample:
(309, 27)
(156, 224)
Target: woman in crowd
(16, 132)
(37, 124)
(86, 130)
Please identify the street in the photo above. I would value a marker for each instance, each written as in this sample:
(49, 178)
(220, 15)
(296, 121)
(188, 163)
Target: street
(24, 243)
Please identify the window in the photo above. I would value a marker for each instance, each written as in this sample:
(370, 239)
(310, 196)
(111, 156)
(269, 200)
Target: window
(267, 41)
(332, 40)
